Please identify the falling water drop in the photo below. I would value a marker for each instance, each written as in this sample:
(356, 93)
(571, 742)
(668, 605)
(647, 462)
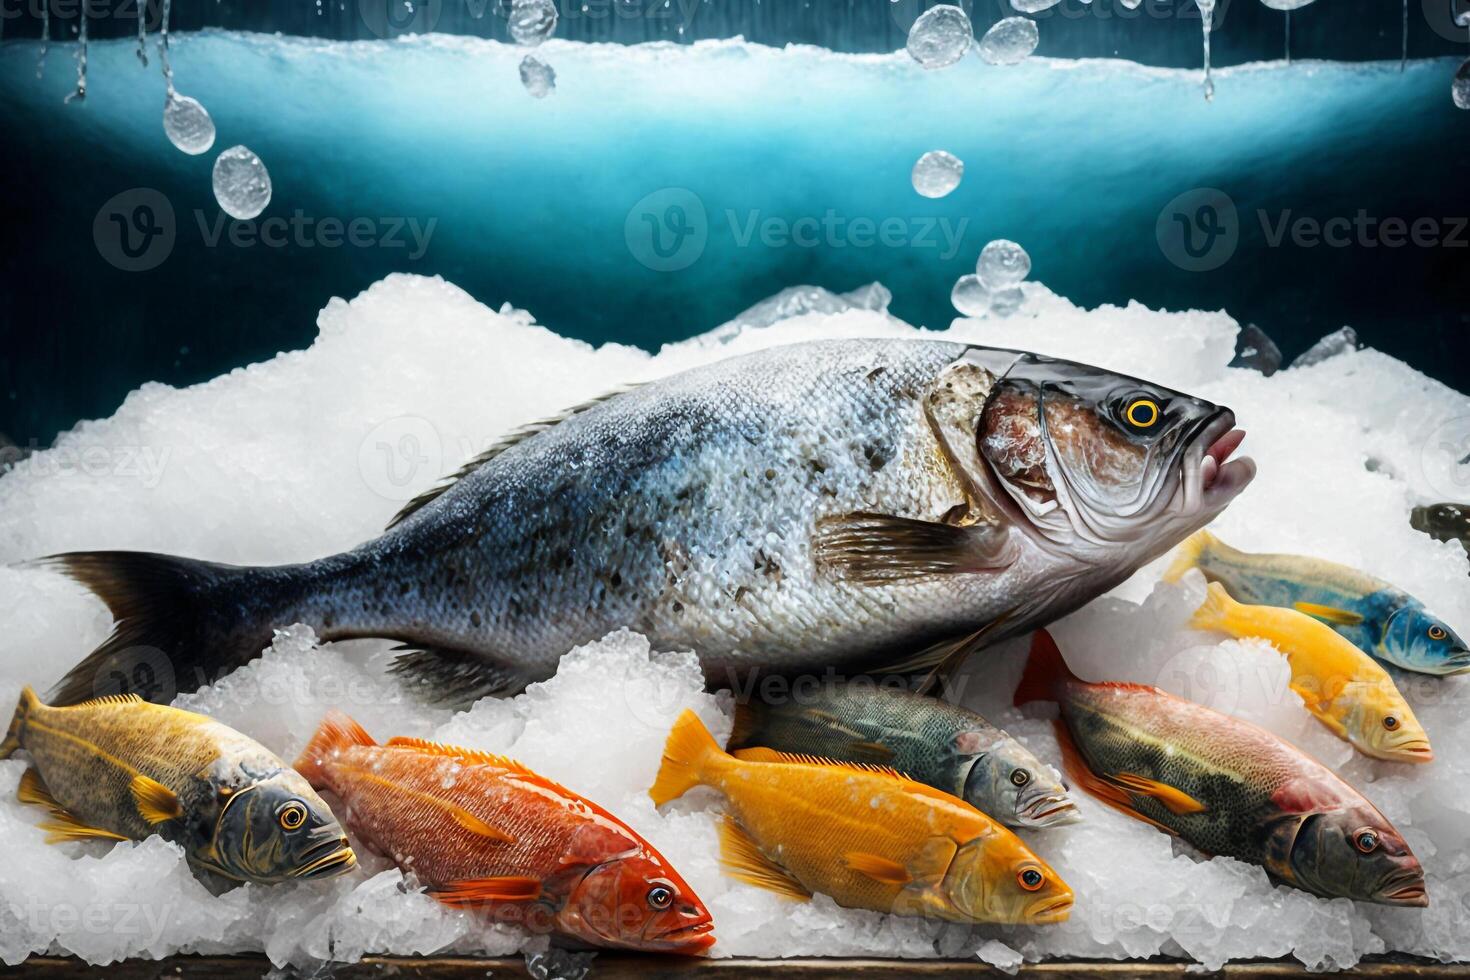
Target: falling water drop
(187, 123)
(80, 93)
(143, 32)
(532, 21)
(1009, 41)
(937, 173)
(538, 77)
(241, 184)
(1207, 18)
(940, 37)
(168, 72)
(1288, 37)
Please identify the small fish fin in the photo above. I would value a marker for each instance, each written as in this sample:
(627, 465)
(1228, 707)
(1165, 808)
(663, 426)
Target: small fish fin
(110, 699)
(28, 701)
(455, 678)
(1046, 671)
(475, 825)
(688, 750)
(513, 438)
(954, 658)
(935, 659)
(879, 868)
(743, 860)
(476, 891)
(879, 549)
(1081, 773)
(337, 731)
(474, 757)
(33, 790)
(156, 803)
(762, 754)
(1190, 554)
(63, 826)
(1330, 614)
(748, 719)
(1215, 611)
(1175, 800)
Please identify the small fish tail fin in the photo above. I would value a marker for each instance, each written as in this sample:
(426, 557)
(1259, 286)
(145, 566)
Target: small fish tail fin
(1215, 612)
(1194, 551)
(1046, 671)
(687, 753)
(28, 700)
(180, 624)
(749, 717)
(337, 731)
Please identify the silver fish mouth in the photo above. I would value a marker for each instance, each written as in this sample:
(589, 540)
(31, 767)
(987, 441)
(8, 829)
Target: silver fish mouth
(1213, 476)
(1051, 810)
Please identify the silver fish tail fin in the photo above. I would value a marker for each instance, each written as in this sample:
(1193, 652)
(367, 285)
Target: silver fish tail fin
(28, 700)
(180, 623)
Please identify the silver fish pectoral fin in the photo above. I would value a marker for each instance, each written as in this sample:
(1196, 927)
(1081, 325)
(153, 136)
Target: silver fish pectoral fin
(454, 677)
(879, 549)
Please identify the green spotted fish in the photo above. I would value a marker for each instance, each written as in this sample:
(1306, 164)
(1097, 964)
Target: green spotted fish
(1382, 621)
(119, 768)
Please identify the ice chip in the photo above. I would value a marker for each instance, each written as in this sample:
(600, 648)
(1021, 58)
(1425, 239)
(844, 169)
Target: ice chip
(532, 21)
(1004, 302)
(1010, 41)
(1034, 6)
(1337, 342)
(538, 77)
(941, 36)
(1002, 263)
(241, 184)
(1460, 87)
(187, 124)
(937, 173)
(970, 296)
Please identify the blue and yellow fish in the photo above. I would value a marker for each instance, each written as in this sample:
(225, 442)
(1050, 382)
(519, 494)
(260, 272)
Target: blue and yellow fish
(1382, 621)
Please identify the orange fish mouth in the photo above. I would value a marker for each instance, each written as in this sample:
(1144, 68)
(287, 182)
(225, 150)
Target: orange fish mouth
(1414, 752)
(693, 940)
(1056, 911)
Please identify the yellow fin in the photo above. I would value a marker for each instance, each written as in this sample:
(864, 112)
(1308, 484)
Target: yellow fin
(1216, 611)
(744, 861)
(155, 801)
(1104, 789)
(64, 827)
(1331, 614)
(1174, 800)
(110, 699)
(762, 754)
(1189, 554)
(33, 791)
(879, 868)
(689, 748)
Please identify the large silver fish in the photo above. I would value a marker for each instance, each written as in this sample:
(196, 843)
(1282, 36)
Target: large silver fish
(846, 504)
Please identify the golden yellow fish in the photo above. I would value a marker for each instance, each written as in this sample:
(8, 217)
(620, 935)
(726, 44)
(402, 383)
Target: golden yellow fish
(865, 836)
(1341, 685)
(118, 768)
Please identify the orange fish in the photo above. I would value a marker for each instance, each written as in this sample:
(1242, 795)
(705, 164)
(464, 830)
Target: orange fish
(866, 836)
(481, 830)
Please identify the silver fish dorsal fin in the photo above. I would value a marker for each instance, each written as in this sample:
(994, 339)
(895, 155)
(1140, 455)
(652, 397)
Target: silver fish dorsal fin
(513, 438)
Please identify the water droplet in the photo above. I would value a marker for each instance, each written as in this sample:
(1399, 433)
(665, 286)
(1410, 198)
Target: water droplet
(241, 184)
(937, 173)
(1009, 41)
(1460, 87)
(970, 296)
(187, 123)
(538, 77)
(1036, 6)
(941, 36)
(532, 21)
(1002, 263)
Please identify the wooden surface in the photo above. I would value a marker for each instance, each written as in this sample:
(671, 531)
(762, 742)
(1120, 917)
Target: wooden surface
(609, 966)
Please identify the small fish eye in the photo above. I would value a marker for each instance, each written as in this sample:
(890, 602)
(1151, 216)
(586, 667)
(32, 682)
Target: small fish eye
(1437, 632)
(1030, 879)
(1366, 841)
(1390, 722)
(660, 898)
(1142, 413)
(1020, 777)
(292, 816)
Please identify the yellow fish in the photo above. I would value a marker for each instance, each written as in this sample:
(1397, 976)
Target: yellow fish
(118, 768)
(865, 836)
(1341, 685)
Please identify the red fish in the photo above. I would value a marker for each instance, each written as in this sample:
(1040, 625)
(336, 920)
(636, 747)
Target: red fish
(483, 831)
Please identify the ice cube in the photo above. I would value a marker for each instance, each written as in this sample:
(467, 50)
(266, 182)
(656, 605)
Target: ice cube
(532, 21)
(937, 173)
(940, 37)
(1002, 263)
(538, 77)
(187, 124)
(970, 296)
(1009, 41)
(241, 184)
